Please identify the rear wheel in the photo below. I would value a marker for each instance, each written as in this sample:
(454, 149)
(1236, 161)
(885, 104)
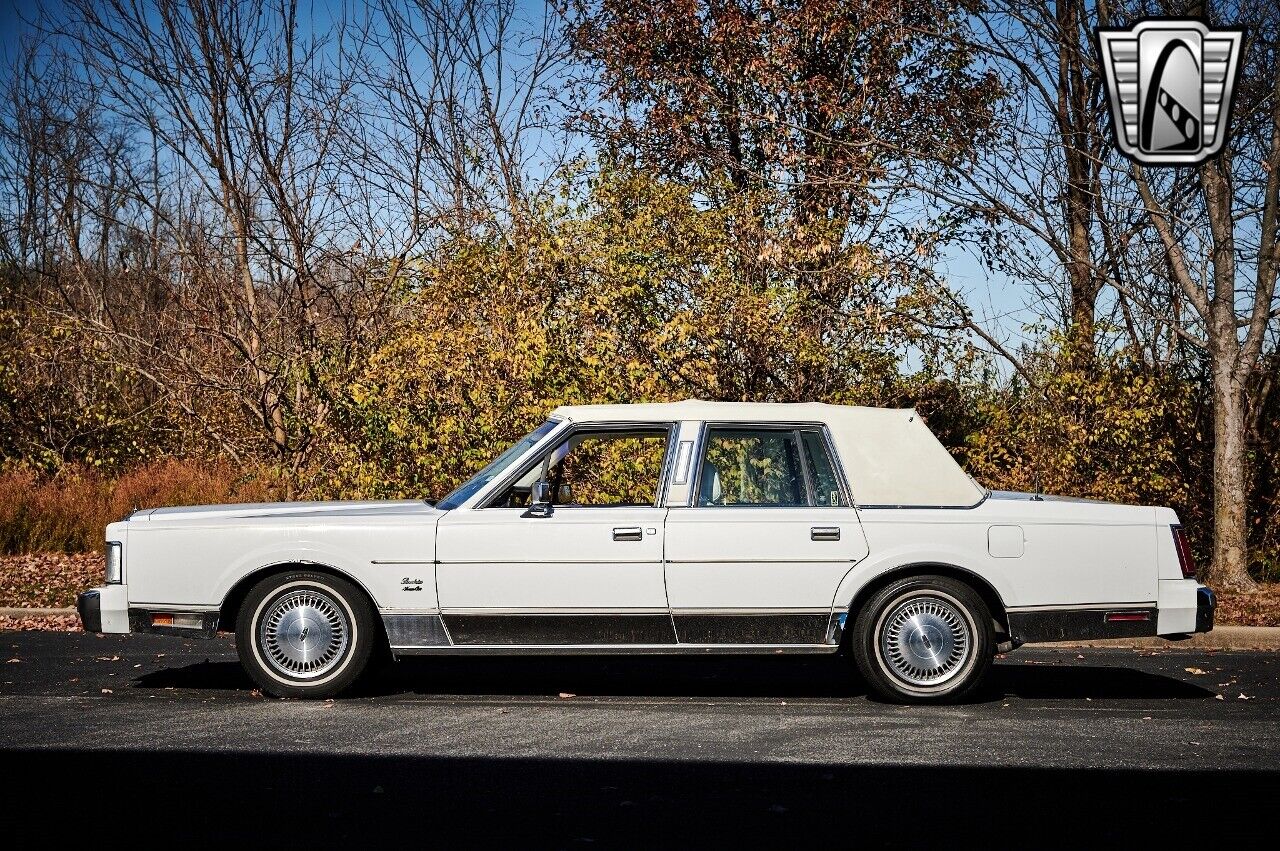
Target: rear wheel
(923, 639)
(305, 634)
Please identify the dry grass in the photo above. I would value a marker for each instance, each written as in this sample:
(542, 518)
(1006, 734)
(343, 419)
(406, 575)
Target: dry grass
(66, 513)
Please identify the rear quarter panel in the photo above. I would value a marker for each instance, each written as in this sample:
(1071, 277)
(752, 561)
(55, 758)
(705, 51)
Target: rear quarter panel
(1073, 554)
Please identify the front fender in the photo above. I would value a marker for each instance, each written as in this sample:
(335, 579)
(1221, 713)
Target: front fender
(379, 585)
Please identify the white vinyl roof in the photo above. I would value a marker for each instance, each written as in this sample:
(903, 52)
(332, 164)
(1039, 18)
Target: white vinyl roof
(889, 455)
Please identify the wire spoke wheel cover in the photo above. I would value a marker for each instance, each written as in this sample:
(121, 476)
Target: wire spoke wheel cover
(304, 633)
(925, 639)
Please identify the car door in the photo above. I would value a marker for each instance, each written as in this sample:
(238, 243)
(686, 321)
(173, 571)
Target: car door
(770, 531)
(586, 572)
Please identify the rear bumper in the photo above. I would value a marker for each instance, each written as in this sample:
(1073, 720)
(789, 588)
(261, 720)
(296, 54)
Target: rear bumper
(1206, 603)
(1186, 607)
(104, 609)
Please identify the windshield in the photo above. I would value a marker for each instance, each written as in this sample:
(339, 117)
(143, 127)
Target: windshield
(496, 467)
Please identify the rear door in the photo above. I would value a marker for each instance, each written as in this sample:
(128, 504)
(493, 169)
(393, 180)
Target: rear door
(769, 532)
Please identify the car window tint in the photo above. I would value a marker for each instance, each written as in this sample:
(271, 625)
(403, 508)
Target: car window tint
(608, 468)
(826, 487)
(496, 468)
(751, 467)
(597, 468)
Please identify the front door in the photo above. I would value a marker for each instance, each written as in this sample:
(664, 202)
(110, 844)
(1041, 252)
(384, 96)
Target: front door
(758, 554)
(588, 573)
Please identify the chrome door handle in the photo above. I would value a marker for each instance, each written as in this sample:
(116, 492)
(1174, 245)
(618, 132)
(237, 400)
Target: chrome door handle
(628, 533)
(824, 533)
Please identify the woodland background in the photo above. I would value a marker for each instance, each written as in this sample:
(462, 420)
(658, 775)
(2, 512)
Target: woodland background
(256, 250)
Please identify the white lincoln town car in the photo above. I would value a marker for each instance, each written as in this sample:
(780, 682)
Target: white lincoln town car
(686, 527)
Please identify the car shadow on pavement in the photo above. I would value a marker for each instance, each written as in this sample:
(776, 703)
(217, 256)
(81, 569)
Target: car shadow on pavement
(700, 677)
(1075, 682)
(212, 676)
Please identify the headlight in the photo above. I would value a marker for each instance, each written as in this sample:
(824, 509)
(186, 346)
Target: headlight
(115, 563)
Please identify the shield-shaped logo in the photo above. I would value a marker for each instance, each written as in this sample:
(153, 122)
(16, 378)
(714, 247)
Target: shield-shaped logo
(1170, 82)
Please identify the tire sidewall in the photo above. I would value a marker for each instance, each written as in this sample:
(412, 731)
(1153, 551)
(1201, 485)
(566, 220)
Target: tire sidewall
(875, 670)
(359, 645)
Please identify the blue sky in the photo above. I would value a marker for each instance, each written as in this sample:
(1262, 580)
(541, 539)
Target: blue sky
(10, 25)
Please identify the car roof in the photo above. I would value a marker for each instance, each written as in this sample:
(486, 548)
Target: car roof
(696, 409)
(890, 455)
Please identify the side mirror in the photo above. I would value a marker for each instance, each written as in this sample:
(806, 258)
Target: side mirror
(539, 500)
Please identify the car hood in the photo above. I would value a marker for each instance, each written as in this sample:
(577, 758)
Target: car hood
(304, 511)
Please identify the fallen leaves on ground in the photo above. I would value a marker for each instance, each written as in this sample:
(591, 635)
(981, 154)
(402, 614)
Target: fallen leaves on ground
(54, 623)
(48, 580)
(1259, 609)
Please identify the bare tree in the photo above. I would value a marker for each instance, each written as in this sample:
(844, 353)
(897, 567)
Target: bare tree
(1033, 197)
(1218, 228)
(245, 115)
(73, 242)
(461, 94)
(1057, 207)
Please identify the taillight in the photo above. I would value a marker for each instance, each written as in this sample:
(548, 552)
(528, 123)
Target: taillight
(1185, 560)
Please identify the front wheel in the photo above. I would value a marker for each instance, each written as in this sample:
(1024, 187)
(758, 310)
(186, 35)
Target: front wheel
(923, 639)
(305, 634)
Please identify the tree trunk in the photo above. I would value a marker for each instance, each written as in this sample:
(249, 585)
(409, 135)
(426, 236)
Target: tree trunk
(1077, 126)
(1229, 565)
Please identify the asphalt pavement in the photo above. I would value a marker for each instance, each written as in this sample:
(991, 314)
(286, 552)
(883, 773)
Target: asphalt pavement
(167, 741)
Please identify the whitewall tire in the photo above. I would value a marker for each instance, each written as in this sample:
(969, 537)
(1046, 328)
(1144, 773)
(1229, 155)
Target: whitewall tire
(923, 639)
(305, 634)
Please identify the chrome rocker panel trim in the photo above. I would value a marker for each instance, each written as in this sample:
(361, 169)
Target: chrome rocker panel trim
(613, 632)
(613, 649)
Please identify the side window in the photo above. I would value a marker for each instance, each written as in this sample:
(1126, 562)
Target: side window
(751, 467)
(826, 487)
(598, 468)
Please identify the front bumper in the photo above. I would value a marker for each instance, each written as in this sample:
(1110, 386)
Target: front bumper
(184, 624)
(104, 609)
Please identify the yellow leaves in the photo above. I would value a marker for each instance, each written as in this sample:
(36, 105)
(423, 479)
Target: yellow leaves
(1100, 434)
(635, 290)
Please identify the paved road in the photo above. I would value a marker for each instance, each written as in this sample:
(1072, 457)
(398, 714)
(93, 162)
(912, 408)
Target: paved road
(1064, 747)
